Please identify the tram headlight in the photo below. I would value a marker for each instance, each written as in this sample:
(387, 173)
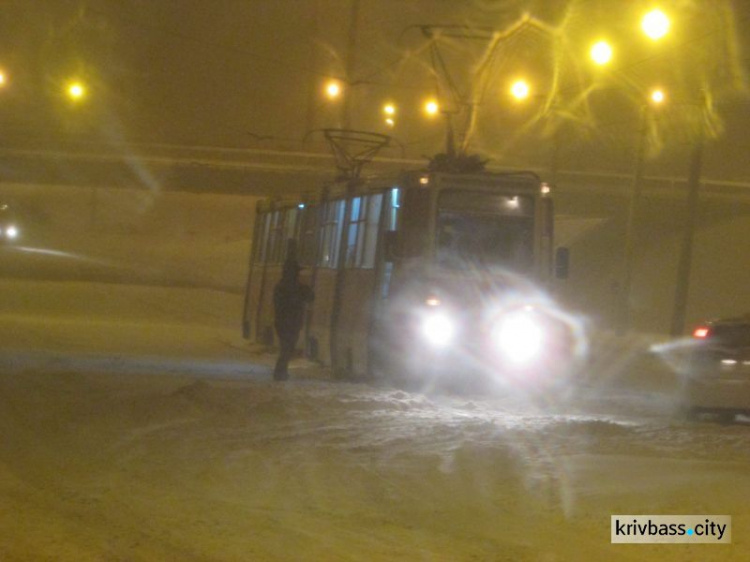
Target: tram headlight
(519, 336)
(438, 329)
(11, 232)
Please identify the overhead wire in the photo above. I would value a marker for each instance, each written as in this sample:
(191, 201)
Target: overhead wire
(367, 78)
(296, 68)
(212, 44)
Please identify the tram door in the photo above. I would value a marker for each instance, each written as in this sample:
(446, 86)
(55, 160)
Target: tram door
(358, 283)
(387, 256)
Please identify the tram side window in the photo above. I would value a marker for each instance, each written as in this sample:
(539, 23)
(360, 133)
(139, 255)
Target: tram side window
(356, 223)
(363, 231)
(394, 209)
(277, 228)
(282, 229)
(330, 233)
(276, 237)
(261, 242)
(291, 217)
(369, 241)
(391, 223)
(290, 223)
(272, 235)
(416, 222)
(306, 242)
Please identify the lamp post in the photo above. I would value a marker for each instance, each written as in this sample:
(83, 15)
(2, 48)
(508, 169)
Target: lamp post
(635, 194)
(655, 24)
(624, 309)
(351, 63)
(685, 263)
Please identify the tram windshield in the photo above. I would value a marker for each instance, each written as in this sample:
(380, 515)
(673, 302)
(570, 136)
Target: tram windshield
(480, 229)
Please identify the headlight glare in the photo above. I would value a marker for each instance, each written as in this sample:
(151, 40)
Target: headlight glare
(519, 337)
(11, 232)
(437, 329)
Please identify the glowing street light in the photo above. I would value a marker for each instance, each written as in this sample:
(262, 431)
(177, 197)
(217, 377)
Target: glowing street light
(658, 96)
(655, 24)
(431, 108)
(333, 89)
(3, 79)
(520, 90)
(601, 53)
(624, 313)
(76, 91)
(389, 109)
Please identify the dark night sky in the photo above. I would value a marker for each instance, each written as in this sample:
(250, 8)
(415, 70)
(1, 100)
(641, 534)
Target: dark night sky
(216, 73)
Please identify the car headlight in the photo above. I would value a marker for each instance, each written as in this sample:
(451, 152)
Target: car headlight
(11, 232)
(519, 336)
(438, 329)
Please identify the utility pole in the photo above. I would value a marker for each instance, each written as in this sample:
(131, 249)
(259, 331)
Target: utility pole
(465, 106)
(312, 100)
(345, 117)
(684, 265)
(555, 155)
(351, 64)
(624, 316)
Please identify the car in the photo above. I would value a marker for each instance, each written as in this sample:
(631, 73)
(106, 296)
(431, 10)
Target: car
(718, 379)
(10, 229)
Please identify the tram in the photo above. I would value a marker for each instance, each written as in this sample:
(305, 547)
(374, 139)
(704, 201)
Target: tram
(419, 272)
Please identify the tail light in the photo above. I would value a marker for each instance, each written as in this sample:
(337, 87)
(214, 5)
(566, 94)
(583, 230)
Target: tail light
(701, 332)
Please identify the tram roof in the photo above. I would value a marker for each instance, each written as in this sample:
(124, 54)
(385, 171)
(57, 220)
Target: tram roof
(512, 179)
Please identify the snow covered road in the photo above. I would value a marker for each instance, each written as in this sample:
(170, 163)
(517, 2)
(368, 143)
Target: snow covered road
(103, 467)
(137, 425)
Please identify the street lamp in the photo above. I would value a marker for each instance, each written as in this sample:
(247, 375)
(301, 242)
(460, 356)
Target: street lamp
(431, 108)
(76, 91)
(601, 53)
(389, 110)
(655, 24)
(333, 89)
(656, 98)
(520, 90)
(3, 79)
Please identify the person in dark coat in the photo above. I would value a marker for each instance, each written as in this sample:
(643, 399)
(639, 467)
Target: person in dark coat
(290, 297)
